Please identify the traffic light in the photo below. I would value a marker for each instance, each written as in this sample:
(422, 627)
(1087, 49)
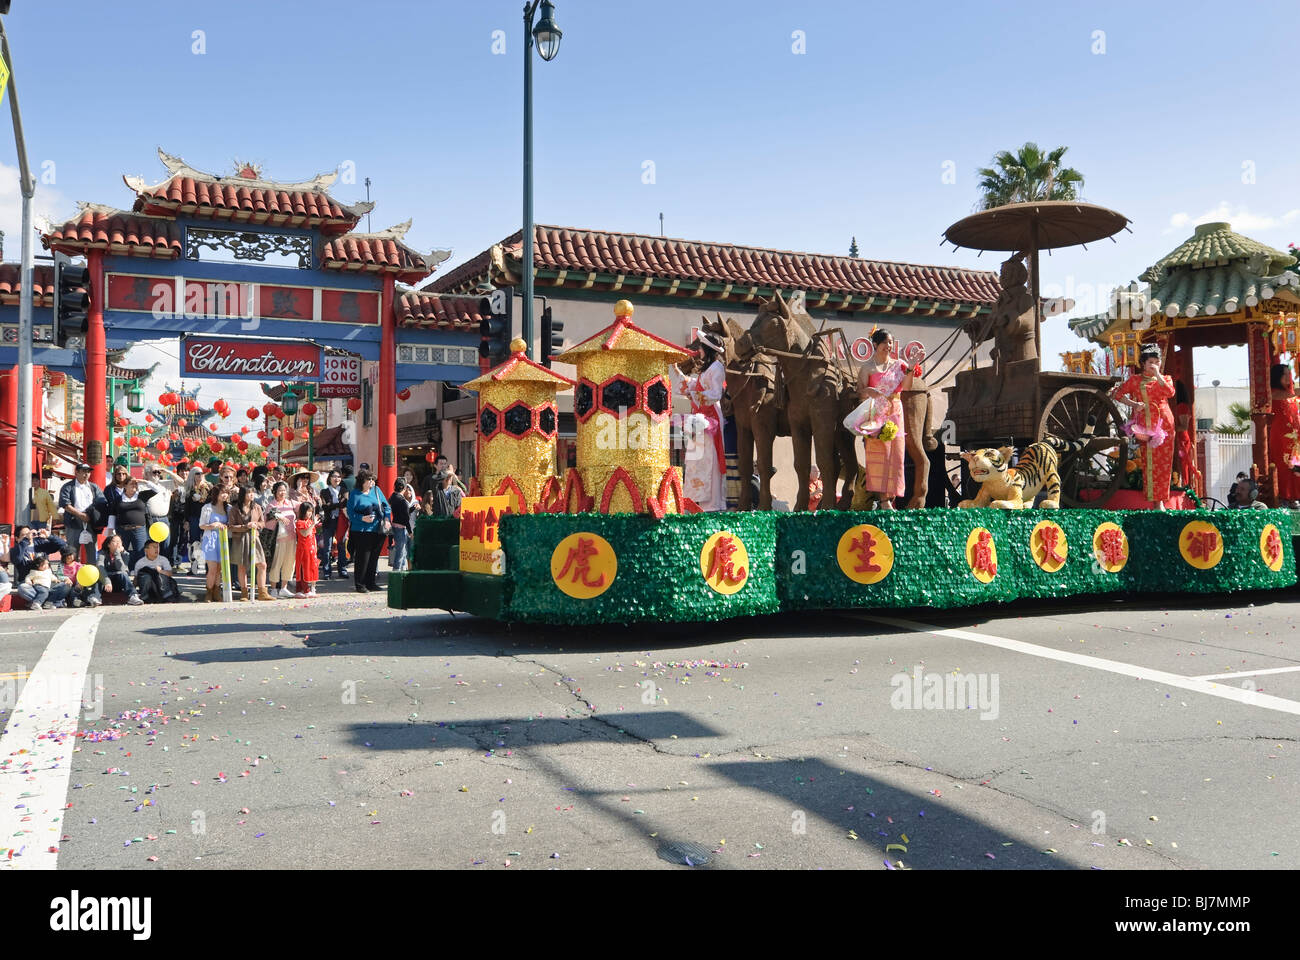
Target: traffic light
(71, 302)
(495, 333)
(552, 341)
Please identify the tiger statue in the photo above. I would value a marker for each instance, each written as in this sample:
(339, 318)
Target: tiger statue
(1014, 488)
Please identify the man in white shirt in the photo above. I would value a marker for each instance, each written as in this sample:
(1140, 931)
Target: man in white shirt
(84, 508)
(153, 576)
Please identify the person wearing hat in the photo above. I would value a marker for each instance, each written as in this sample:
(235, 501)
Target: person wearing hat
(1151, 422)
(84, 512)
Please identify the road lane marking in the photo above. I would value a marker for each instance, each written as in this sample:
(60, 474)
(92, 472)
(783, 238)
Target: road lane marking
(1195, 684)
(34, 785)
(16, 676)
(1247, 673)
(26, 633)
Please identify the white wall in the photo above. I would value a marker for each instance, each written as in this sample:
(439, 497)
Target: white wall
(1212, 403)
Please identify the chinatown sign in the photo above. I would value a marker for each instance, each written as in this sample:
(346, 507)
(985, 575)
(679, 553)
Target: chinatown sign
(234, 358)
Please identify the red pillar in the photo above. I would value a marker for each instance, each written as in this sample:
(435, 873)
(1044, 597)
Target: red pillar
(38, 421)
(8, 450)
(387, 391)
(96, 372)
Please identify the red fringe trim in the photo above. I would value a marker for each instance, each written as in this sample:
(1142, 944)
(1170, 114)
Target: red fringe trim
(551, 498)
(508, 486)
(621, 476)
(575, 495)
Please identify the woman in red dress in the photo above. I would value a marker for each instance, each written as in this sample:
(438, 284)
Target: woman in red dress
(307, 570)
(1152, 423)
(1284, 436)
(1184, 417)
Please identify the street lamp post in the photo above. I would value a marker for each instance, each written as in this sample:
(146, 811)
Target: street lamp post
(548, 45)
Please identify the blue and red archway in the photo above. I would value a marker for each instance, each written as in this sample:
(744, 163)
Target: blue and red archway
(241, 256)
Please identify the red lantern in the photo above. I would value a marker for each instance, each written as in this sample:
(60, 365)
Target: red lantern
(174, 435)
(75, 426)
(148, 418)
(215, 445)
(191, 406)
(431, 456)
(161, 444)
(182, 423)
(275, 433)
(272, 464)
(212, 427)
(252, 413)
(354, 404)
(243, 429)
(268, 408)
(118, 441)
(309, 409)
(288, 434)
(404, 394)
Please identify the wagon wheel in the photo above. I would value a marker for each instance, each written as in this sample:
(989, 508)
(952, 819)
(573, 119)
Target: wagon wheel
(1092, 475)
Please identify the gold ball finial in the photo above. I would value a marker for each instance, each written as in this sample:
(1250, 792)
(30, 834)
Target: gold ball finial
(518, 345)
(623, 309)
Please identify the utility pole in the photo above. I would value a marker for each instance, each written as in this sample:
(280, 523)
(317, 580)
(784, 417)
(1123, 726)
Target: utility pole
(23, 438)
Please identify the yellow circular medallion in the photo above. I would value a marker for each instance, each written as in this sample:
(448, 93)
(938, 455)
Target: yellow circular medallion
(584, 565)
(982, 555)
(724, 562)
(1110, 547)
(865, 554)
(1201, 544)
(1049, 546)
(1270, 547)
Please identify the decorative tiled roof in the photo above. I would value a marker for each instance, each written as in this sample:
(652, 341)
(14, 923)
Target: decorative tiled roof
(1217, 271)
(639, 263)
(417, 308)
(245, 198)
(11, 282)
(382, 252)
(1126, 305)
(1214, 244)
(519, 368)
(97, 227)
(623, 334)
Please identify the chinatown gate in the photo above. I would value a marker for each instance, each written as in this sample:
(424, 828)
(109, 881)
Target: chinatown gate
(257, 277)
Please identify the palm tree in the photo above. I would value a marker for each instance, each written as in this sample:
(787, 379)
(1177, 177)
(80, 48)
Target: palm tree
(1241, 421)
(1028, 174)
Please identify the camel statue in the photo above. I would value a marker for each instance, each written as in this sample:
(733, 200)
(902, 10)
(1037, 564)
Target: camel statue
(822, 391)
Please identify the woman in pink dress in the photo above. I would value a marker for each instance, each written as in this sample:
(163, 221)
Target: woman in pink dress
(1148, 393)
(884, 378)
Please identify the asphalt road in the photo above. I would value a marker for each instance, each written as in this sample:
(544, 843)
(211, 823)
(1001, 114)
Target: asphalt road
(336, 733)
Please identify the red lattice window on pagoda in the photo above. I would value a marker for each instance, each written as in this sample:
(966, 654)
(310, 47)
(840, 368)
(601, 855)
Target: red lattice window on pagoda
(584, 400)
(489, 422)
(619, 395)
(518, 420)
(658, 398)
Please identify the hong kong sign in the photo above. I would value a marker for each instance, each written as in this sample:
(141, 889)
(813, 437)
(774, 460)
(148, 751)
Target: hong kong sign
(341, 378)
(231, 358)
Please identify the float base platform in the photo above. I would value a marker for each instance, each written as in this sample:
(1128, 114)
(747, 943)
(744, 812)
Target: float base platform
(629, 568)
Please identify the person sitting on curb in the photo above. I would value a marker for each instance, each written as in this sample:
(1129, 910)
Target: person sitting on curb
(85, 596)
(28, 544)
(41, 589)
(114, 574)
(153, 577)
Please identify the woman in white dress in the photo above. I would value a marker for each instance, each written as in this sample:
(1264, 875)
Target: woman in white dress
(706, 461)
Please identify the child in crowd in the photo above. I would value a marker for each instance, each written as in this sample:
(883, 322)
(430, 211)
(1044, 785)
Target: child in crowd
(41, 581)
(308, 566)
(85, 596)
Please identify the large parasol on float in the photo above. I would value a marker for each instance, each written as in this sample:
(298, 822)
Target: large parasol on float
(1034, 226)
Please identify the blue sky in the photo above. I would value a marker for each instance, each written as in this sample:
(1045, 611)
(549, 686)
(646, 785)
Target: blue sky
(1186, 115)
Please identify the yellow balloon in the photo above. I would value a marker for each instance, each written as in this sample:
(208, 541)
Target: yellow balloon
(159, 532)
(87, 575)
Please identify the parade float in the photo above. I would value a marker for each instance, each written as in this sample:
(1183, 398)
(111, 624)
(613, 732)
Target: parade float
(614, 540)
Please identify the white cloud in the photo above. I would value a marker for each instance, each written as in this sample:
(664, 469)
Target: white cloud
(1241, 218)
(48, 202)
